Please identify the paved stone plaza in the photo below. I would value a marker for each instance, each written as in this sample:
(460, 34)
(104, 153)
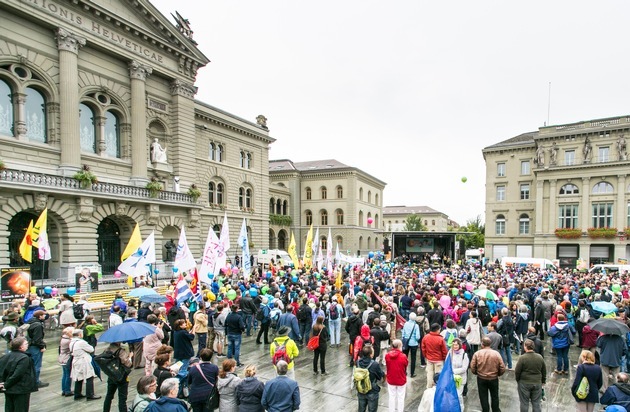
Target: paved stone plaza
(319, 393)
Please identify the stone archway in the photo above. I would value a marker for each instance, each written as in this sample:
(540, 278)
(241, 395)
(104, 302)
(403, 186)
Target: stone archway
(108, 245)
(282, 240)
(17, 229)
(169, 234)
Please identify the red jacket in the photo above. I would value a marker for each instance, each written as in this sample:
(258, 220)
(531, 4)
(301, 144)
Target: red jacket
(589, 337)
(396, 367)
(434, 347)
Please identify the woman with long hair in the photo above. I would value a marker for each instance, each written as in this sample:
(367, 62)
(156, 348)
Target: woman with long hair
(320, 353)
(249, 392)
(65, 361)
(459, 364)
(593, 374)
(228, 382)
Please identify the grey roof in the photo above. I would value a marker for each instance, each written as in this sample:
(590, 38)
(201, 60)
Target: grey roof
(284, 165)
(320, 165)
(521, 139)
(281, 165)
(405, 210)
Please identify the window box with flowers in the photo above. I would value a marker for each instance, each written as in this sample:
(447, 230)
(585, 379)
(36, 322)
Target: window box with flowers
(627, 231)
(602, 232)
(2, 166)
(194, 192)
(85, 177)
(280, 220)
(155, 187)
(567, 233)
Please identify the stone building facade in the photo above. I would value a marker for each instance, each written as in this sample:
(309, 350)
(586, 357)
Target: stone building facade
(326, 194)
(554, 192)
(110, 84)
(395, 218)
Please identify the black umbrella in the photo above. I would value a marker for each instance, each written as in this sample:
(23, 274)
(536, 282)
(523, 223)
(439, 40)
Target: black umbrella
(609, 326)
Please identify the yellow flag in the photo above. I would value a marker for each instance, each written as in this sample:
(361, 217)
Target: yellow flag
(339, 280)
(40, 226)
(26, 247)
(292, 252)
(130, 281)
(308, 253)
(134, 243)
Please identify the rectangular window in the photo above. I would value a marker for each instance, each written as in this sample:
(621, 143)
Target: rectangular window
(568, 216)
(569, 157)
(525, 167)
(500, 169)
(523, 226)
(500, 193)
(500, 227)
(604, 154)
(602, 214)
(525, 191)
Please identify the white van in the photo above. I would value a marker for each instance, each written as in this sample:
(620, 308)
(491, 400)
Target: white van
(609, 268)
(279, 256)
(507, 262)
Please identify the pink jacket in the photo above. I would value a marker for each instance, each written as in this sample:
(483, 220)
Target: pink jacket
(151, 343)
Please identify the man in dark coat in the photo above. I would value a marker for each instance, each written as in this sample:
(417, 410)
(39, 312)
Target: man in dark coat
(234, 328)
(619, 393)
(353, 327)
(17, 372)
(37, 346)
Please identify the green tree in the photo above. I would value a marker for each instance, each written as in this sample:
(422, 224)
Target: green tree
(414, 224)
(477, 238)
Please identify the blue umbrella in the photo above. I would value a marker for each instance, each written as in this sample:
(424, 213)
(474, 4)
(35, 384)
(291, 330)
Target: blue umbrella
(140, 292)
(127, 331)
(153, 299)
(604, 307)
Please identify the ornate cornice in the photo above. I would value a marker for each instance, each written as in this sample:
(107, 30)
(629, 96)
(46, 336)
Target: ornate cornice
(139, 71)
(69, 41)
(184, 89)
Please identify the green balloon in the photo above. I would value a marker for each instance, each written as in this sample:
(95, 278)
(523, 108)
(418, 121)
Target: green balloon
(587, 291)
(264, 289)
(455, 291)
(616, 287)
(231, 294)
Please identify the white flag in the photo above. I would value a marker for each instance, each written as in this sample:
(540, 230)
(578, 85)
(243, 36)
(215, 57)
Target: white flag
(320, 259)
(329, 256)
(184, 260)
(224, 246)
(315, 247)
(209, 258)
(136, 264)
(243, 242)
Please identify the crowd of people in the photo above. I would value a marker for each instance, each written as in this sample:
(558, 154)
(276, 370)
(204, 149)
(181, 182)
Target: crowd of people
(395, 316)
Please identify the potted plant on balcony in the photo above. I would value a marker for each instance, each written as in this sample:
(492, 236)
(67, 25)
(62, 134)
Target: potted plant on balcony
(602, 232)
(2, 166)
(568, 233)
(194, 192)
(155, 187)
(85, 177)
(627, 231)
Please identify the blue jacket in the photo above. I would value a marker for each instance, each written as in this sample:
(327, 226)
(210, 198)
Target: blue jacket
(281, 394)
(165, 404)
(289, 319)
(617, 394)
(611, 349)
(411, 330)
(560, 335)
(182, 344)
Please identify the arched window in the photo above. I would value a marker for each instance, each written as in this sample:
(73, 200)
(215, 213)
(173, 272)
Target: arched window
(369, 243)
(88, 129)
(369, 199)
(369, 216)
(569, 189)
(6, 109)
(241, 197)
(308, 193)
(432, 222)
(272, 205)
(309, 217)
(339, 242)
(248, 161)
(112, 135)
(360, 243)
(285, 208)
(523, 224)
(360, 193)
(272, 239)
(339, 192)
(220, 190)
(248, 198)
(426, 222)
(602, 187)
(219, 153)
(376, 199)
(217, 230)
(242, 163)
(35, 111)
(324, 242)
(361, 218)
(213, 148)
(376, 220)
(339, 214)
(211, 192)
(324, 192)
(500, 225)
(323, 217)
(278, 206)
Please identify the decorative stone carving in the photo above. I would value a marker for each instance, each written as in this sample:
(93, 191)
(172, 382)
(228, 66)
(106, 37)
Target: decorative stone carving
(139, 71)
(69, 41)
(183, 25)
(194, 216)
(121, 208)
(153, 214)
(540, 156)
(587, 151)
(158, 153)
(41, 201)
(262, 121)
(553, 154)
(52, 113)
(181, 88)
(85, 208)
(622, 148)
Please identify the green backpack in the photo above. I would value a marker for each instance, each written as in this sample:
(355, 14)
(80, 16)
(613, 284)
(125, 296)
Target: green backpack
(583, 388)
(361, 377)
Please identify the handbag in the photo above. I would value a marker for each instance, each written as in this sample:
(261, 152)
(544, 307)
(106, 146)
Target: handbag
(213, 398)
(313, 342)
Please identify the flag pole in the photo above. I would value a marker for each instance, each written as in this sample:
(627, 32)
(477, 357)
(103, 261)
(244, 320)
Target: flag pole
(43, 269)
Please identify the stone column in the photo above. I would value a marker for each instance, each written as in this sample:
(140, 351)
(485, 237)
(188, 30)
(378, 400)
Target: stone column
(540, 185)
(20, 122)
(585, 221)
(621, 220)
(138, 73)
(553, 207)
(68, 44)
(101, 148)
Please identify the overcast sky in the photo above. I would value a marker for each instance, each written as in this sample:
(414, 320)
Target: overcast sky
(410, 91)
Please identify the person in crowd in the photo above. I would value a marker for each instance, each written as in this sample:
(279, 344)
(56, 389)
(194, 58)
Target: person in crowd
(428, 396)
(505, 328)
(227, 384)
(151, 343)
(474, 332)
(115, 317)
(561, 339)
(234, 328)
(319, 354)
(305, 320)
(248, 309)
(135, 346)
(162, 371)
(37, 345)
(593, 374)
(459, 364)
(65, 361)
(200, 329)
(435, 351)
(488, 365)
(202, 378)
(353, 328)
(396, 376)
(17, 376)
(122, 387)
(335, 313)
(219, 328)
(168, 402)
(496, 340)
(122, 305)
(290, 347)
(145, 393)
(369, 401)
(411, 336)
(182, 349)
(288, 319)
(250, 391)
(265, 322)
(281, 393)
(538, 344)
(66, 312)
(379, 335)
(82, 369)
(531, 376)
(618, 393)
(612, 349)
(144, 311)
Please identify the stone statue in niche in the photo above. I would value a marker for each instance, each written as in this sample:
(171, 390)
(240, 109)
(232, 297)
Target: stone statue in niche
(540, 156)
(158, 153)
(587, 151)
(553, 154)
(621, 148)
(170, 247)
